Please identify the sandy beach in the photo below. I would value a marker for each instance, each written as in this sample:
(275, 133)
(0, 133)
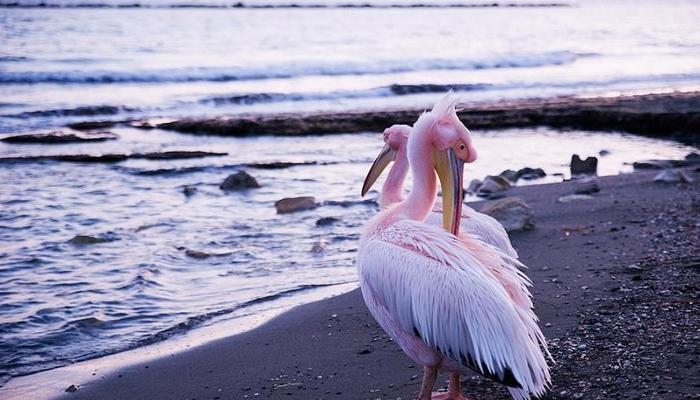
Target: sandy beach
(615, 285)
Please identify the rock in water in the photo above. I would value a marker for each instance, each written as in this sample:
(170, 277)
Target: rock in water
(90, 125)
(189, 190)
(58, 137)
(326, 221)
(238, 181)
(293, 204)
(81, 240)
(652, 164)
(672, 176)
(72, 388)
(528, 173)
(589, 166)
(512, 212)
(474, 186)
(511, 175)
(319, 247)
(493, 184)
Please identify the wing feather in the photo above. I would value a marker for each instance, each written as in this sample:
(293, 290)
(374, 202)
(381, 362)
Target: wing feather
(434, 284)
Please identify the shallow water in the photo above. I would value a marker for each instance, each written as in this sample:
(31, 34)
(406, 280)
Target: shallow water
(64, 302)
(60, 65)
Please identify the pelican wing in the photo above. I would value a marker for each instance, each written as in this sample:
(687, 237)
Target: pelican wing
(445, 292)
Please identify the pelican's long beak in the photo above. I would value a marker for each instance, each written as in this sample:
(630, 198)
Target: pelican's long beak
(450, 171)
(386, 156)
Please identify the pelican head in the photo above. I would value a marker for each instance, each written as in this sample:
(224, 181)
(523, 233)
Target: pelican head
(395, 140)
(450, 145)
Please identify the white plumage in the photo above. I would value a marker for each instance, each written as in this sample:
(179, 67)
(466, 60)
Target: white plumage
(445, 306)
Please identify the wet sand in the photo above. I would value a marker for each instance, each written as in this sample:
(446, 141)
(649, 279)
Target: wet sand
(672, 115)
(615, 285)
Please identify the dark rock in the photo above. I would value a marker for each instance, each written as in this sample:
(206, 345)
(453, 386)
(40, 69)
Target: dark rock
(528, 173)
(142, 124)
(59, 137)
(474, 186)
(604, 153)
(511, 175)
(200, 255)
(104, 158)
(189, 190)
(588, 187)
(493, 184)
(72, 388)
(293, 204)
(175, 155)
(365, 351)
(86, 240)
(589, 166)
(325, 221)
(90, 125)
(653, 164)
(239, 180)
(512, 212)
(672, 176)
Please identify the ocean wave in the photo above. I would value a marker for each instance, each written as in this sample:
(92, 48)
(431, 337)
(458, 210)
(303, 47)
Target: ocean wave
(285, 71)
(83, 111)
(385, 91)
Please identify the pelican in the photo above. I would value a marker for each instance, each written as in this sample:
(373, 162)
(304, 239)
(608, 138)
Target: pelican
(483, 226)
(452, 303)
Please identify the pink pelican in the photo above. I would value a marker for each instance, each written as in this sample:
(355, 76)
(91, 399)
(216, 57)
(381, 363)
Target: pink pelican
(452, 303)
(483, 226)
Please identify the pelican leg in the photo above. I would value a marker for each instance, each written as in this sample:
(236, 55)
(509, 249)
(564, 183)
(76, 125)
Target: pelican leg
(454, 390)
(426, 388)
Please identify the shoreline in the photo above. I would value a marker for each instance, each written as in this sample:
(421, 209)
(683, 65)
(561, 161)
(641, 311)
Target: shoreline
(675, 116)
(581, 257)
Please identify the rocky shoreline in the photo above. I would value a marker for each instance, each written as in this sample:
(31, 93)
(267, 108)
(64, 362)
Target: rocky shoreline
(675, 116)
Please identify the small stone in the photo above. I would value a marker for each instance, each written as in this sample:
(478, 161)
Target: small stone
(318, 247)
(604, 153)
(511, 175)
(239, 180)
(634, 268)
(672, 176)
(292, 204)
(512, 212)
(589, 166)
(189, 190)
(72, 388)
(474, 186)
(325, 221)
(365, 351)
(528, 173)
(493, 184)
(200, 255)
